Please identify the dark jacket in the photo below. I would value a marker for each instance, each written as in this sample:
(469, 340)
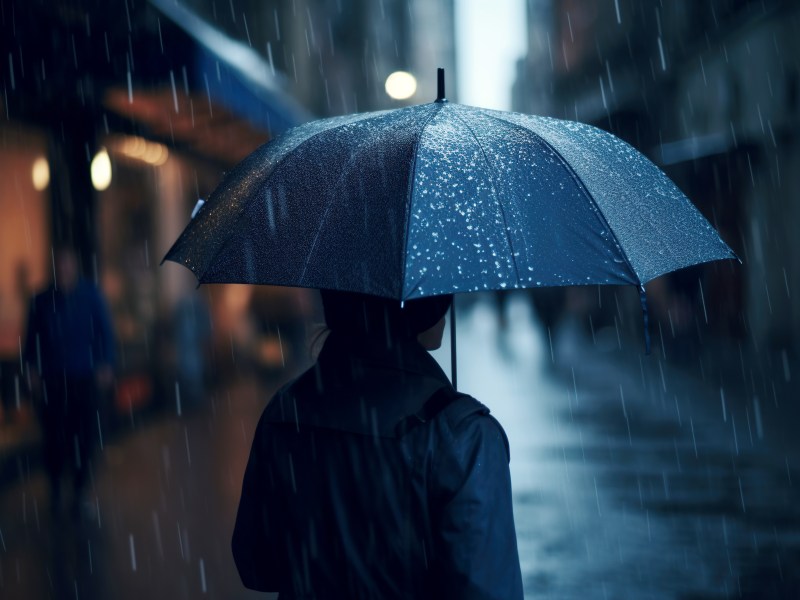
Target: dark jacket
(370, 477)
(69, 334)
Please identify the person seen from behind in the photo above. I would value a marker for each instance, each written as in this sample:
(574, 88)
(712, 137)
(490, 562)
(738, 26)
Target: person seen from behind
(370, 476)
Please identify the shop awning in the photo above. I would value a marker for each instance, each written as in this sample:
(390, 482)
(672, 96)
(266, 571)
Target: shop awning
(156, 69)
(221, 103)
(234, 74)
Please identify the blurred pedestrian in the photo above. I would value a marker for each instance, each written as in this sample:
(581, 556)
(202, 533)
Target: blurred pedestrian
(371, 477)
(69, 353)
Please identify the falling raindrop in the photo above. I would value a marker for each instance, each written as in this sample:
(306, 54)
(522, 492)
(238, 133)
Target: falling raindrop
(757, 413)
(132, 550)
(787, 373)
(741, 495)
(181, 544)
(249, 41)
(99, 431)
(174, 90)
(186, 439)
(724, 408)
(203, 573)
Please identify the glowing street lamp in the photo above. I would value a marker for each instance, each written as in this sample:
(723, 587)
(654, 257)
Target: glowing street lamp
(401, 85)
(101, 170)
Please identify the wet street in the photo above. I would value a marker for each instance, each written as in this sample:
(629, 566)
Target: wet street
(632, 479)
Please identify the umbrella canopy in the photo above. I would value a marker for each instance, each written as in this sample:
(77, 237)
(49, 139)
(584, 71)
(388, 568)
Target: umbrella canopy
(442, 198)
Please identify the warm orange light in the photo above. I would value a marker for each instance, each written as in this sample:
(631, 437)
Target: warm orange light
(40, 173)
(101, 170)
(138, 148)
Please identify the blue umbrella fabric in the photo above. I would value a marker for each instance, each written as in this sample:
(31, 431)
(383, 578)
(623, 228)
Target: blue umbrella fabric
(443, 198)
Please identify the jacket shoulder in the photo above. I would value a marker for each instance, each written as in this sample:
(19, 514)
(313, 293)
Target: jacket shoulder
(461, 407)
(446, 405)
(464, 411)
(276, 409)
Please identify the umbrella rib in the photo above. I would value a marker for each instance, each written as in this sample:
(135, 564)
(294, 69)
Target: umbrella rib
(601, 217)
(410, 196)
(327, 211)
(268, 178)
(324, 219)
(496, 197)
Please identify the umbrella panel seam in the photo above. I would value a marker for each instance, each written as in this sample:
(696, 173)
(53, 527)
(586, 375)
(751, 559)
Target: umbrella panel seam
(267, 180)
(496, 195)
(410, 197)
(328, 208)
(581, 186)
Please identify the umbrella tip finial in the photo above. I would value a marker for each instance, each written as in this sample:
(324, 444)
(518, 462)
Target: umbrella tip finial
(440, 97)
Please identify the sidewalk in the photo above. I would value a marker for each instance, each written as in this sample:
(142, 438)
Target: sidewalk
(165, 500)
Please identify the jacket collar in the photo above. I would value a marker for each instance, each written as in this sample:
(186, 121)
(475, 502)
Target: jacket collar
(360, 387)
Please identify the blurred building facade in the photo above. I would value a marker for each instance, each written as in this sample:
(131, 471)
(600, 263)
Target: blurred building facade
(170, 95)
(710, 91)
(334, 55)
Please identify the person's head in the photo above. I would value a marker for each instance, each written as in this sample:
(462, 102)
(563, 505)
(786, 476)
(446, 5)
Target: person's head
(385, 320)
(65, 266)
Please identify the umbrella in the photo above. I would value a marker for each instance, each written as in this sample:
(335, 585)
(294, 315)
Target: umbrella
(441, 198)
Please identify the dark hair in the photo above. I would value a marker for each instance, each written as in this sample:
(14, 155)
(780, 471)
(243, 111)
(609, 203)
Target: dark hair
(362, 315)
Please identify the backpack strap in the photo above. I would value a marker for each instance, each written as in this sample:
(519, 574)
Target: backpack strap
(455, 405)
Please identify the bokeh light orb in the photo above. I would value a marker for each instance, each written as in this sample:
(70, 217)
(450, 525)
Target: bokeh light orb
(401, 85)
(101, 170)
(40, 174)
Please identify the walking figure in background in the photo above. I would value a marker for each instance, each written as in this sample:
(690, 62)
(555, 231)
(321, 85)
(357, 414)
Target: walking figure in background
(69, 354)
(371, 477)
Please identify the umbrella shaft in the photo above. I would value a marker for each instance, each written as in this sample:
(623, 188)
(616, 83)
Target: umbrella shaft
(453, 367)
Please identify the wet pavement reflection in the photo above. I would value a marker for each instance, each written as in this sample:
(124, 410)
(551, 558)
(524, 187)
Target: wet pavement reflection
(632, 479)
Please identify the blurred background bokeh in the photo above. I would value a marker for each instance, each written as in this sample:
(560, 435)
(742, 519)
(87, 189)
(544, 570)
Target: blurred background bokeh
(116, 117)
